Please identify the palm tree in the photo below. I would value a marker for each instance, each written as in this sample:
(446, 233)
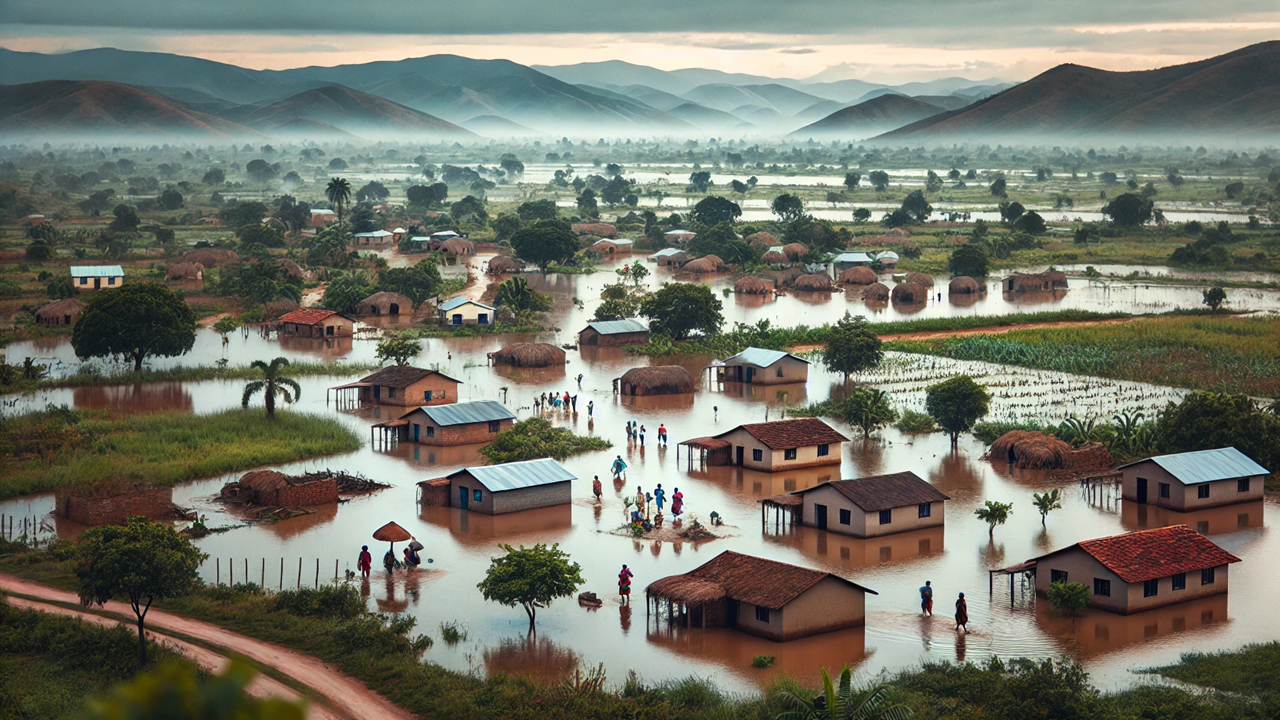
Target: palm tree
(993, 514)
(1047, 502)
(842, 703)
(339, 193)
(273, 383)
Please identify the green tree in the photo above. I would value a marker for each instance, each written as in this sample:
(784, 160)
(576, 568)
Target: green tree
(1068, 597)
(240, 214)
(916, 206)
(587, 204)
(419, 282)
(968, 260)
(156, 695)
(1047, 502)
(1129, 210)
(852, 180)
(260, 234)
(699, 181)
(535, 210)
(1032, 223)
(867, 409)
(1214, 297)
(171, 199)
(143, 561)
(638, 272)
(273, 383)
(530, 577)
(428, 196)
(545, 242)
(1011, 211)
(39, 251)
(678, 309)
(138, 320)
(722, 241)
(505, 225)
(468, 207)
(879, 180)
(343, 293)
(993, 514)
(126, 220)
(373, 191)
(398, 349)
(225, 325)
(999, 188)
(1206, 420)
(214, 176)
(956, 404)
(516, 295)
(852, 346)
(839, 701)
(338, 191)
(787, 207)
(714, 210)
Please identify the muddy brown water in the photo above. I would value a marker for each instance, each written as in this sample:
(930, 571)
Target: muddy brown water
(622, 638)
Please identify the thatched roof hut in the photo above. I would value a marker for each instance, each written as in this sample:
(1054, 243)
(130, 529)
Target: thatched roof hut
(876, 292)
(773, 257)
(964, 285)
(458, 246)
(656, 380)
(504, 264)
(795, 251)
(714, 258)
(920, 279)
(1032, 282)
(815, 282)
(909, 292)
(530, 355)
(291, 267)
(384, 303)
(1030, 449)
(752, 285)
(762, 240)
(62, 312)
(859, 275)
(687, 590)
(183, 270)
(604, 230)
(210, 257)
(702, 266)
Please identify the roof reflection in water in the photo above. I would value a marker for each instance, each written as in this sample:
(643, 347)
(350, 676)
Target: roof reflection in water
(733, 650)
(1097, 632)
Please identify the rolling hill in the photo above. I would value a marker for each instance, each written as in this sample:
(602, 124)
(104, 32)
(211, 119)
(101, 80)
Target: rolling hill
(704, 117)
(348, 110)
(870, 118)
(1237, 94)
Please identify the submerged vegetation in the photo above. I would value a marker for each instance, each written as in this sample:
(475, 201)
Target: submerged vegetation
(535, 438)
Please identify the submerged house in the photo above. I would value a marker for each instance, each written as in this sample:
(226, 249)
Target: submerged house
(461, 311)
(464, 423)
(321, 217)
(316, 323)
(1139, 570)
(670, 257)
(1034, 282)
(510, 487)
(846, 260)
(761, 597)
(784, 444)
(873, 506)
(63, 312)
(96, 277)
(607, 333)
(406, 385)
(1193, 480)
(758, 366)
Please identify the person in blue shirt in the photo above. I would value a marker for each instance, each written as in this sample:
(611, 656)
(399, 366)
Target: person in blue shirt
(926, 598)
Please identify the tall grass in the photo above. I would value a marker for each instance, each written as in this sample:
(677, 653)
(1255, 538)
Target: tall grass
(157, 449)
(195, 373)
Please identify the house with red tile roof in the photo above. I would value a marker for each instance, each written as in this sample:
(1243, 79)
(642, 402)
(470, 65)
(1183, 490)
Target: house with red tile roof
(1139, 570)
(873, 506)
(771, 599)
(317, 323)
(784, 444)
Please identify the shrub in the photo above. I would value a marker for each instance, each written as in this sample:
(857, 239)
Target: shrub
(332, 601)
(762, 661)
(917, 422)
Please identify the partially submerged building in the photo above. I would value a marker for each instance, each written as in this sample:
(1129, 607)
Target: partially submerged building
(405, 385)
(608, 333)
(462, 311)
(374, 239)
(767, 598)
(1194, 480)
(784, 444)
(464, 423)
(759, 366)
(510, 487)
(873, 506)
(1034, 282)
(272, 488)
(63, 312)
(1139, 570)
(316, 323)
(385, 303)
(846, 260)
(670, 257)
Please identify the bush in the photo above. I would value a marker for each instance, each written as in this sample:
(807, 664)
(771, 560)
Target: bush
(917, 422)
(762, 661)
(1069, 597)
(332, 601)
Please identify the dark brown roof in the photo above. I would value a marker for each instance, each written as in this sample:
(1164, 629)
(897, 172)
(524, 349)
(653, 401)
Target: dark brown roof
(787, 434)
(884, 492)
(767, 583)
(1150, 554)
(401, 376)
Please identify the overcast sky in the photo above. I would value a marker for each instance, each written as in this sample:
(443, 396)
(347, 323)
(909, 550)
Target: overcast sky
(876, 40)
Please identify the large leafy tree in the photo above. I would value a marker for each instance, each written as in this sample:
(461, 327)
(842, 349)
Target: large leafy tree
(879, 180)
(273, 383)
(1206, 420)
(143, 561)
(428, 196)
(993, 513)
(339, 192)
(545, 242)
(468, 207)
(418, 283)
(530, 577)
(723, 242)
(679, 309)
(534, 210)
(787, 207)
(957, 404)
(713, 210)
(398, 349)
(916, 206)
(245, 213)
(516, 295)
(342, 294)
(1129, 210)
(867, 409)
(968, 260)
(852, 347)
(138, 321)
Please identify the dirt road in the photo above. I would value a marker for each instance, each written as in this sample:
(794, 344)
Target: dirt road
(347, 697)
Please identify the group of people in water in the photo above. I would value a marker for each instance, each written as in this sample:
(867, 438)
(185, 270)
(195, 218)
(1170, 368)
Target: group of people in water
(636, 433)
(389, 561)
(962, 606)
(560, 401)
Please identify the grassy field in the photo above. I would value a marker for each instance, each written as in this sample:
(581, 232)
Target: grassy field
(1252, 670)
(1227, 353)
(59, 447)
(194, 373)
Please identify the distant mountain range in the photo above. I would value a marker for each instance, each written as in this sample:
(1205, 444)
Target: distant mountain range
(867, 119)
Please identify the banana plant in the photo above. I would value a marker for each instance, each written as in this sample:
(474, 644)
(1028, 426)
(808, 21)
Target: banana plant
(841, 702)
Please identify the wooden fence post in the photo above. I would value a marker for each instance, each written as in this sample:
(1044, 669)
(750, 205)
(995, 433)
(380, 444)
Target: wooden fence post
(281, 573)
(262, 582)
(231, 571)
(217, 571)
(317, 573)
(299, 572)
(335, 568)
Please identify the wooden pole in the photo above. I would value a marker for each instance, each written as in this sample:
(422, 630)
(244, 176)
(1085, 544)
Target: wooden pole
(262, 581)
(281, 573)
(217, 571)
(246, 569)
(335, 568)
(299, 572)
(231, 570)
(317, 573)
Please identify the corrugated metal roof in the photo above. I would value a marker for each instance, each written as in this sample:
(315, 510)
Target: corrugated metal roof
(460, 301)
(679, 232)
(445, 234)
(375, 233)
(887, 255)
(517, 475)
(96, 271)
(464, 413)
(617, 327)
(761, 357)
(666, 252)
(1204, 466)
(321, 211)
(623, 241)
(850, 257)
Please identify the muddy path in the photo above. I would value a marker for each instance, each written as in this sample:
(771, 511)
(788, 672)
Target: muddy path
(346, 696)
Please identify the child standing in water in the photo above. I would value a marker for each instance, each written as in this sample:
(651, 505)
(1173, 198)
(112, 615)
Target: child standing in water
(659, 495)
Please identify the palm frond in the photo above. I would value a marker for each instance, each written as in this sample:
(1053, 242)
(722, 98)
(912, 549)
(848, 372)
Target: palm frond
(250, 390)
(292, 385)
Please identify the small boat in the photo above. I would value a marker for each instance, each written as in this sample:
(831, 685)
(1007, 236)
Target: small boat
(589, 600)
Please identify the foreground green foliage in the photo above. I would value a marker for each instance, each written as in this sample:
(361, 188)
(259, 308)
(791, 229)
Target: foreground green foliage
(176, 691)
(536, 438)
(58, 447)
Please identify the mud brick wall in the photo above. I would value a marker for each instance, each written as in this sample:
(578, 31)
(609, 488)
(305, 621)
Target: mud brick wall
(318, 492)
(116, 509)
(469, 434)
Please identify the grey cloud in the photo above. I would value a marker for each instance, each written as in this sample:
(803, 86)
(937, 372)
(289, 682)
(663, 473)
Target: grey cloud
(798, 51)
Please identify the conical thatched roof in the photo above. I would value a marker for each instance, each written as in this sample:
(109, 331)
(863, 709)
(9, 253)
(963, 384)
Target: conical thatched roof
(762, 239)
(183, 270)
(210, 257)
(876, 291)
(392, 532)
(1030, 449)
(752, 285)
(773, 257)
(714, 258)
(795, 251)
(657, 380)
(458, 246)
(702, 266)
(963, 285)
(909, 293)
(814, 281)
(379, 303)
(503, 264)
(858, 276)
(532, 355)
(63, 307)
(291, 267)
(920, 279)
